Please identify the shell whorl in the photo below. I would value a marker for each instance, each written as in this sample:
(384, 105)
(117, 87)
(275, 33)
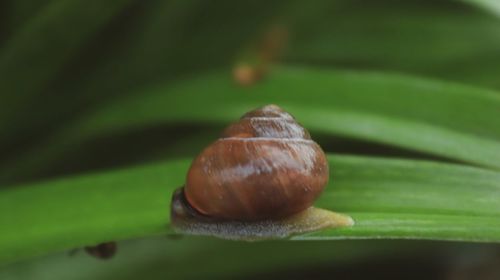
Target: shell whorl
(264, 166)
(267, 122)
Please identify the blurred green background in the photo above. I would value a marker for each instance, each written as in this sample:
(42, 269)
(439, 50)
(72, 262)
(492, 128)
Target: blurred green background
(94, 86)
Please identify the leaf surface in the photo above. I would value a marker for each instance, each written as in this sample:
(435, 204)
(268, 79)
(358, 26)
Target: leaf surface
(387, 199)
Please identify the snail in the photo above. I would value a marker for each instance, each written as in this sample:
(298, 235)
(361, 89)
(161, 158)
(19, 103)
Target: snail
(258, 181)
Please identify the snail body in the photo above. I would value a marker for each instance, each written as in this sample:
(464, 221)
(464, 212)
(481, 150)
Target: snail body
(259, 180)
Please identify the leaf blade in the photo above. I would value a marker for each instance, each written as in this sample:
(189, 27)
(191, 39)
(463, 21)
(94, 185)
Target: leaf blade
(444, 119)
(387, 198)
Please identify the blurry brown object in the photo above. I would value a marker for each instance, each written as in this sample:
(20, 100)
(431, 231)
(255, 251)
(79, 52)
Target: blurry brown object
(247, 75)
(268, 50)
(103, 250)
(273, 43)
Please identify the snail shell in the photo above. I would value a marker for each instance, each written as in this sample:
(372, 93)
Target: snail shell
(265, 166)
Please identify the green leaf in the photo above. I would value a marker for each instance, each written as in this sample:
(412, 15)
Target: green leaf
(387, 199)
(37, 53)
(67, 66)
(20, 12)
(444, 119)
(439, 40)
(160, 256)
(492, 6)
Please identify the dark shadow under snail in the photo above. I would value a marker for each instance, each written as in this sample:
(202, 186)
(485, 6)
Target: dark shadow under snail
(258, 181)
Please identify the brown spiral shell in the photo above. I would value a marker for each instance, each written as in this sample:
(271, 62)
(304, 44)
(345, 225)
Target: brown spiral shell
(265, 166)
